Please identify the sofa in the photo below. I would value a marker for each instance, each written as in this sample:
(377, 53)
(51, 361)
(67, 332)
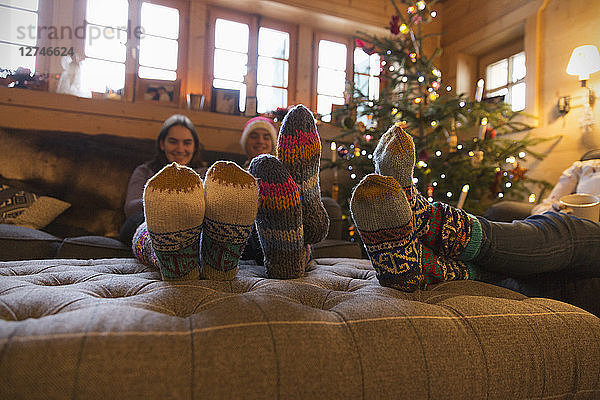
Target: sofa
(105, 326)
(74, 186)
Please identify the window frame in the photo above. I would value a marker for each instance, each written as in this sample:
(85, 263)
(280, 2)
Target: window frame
(132, 45)
(254, 22)
(500, 53)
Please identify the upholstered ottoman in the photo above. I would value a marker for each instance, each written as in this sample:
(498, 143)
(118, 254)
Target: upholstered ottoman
(104, 329)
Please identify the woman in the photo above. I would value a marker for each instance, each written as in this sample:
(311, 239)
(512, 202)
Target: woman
(259, 136)
(177, 142)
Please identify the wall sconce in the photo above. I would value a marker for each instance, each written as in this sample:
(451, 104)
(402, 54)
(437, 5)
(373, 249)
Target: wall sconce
(584, 61)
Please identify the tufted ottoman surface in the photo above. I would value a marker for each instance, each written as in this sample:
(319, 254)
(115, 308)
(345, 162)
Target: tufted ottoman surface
(104, 329)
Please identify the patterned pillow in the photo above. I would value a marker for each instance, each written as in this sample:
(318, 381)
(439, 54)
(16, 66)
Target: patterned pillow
(18, 207)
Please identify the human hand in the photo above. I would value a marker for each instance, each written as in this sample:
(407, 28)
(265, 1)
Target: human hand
(559, 207)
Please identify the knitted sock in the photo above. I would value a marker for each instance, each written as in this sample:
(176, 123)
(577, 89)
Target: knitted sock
(299, 150)
(142, 247)
(231, 196)
(395, 156)
(437, 268)
(453, 233)
(279, 219)
(384, 220)
(174, 210)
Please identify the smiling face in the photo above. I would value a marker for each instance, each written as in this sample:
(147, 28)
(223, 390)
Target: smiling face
(178, 145)
(259, 142)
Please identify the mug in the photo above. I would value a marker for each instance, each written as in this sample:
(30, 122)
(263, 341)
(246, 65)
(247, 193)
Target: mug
(582, 205)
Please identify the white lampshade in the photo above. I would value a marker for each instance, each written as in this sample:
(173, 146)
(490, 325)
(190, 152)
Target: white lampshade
(584, 61)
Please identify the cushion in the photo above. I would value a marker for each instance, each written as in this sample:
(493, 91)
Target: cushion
(22, 208)
(330, 248)
(103, 329)
(85, 247)
(19, 243)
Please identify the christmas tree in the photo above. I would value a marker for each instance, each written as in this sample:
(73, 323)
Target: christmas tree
(482, 167)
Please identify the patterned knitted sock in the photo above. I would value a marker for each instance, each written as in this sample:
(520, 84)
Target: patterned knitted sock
(299, 150)
(437, 268)
(174, 210)
(395, 156)
(279, 219)
(142, 247)
(231, 196)
(384, 220)
(453, 233)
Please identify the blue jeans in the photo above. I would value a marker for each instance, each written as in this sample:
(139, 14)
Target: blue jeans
(539, 244)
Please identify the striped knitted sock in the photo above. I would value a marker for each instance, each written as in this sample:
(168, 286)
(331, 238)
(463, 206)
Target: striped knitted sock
(174, 211)
(384, 220)
(453, 233)
(279, 219)
(231, 196)
(395, 156)
(299, 150)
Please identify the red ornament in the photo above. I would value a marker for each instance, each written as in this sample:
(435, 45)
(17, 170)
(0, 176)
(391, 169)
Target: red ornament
(395, 25)
(423, 155)
(366, 47)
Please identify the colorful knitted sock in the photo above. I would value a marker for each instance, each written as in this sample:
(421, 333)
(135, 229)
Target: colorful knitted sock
(384, 220)
(299, 150)
(279, 219)
(437, 268)
(395, 156)
(231, 196)
(142, 247)
(453, 233)
(174, 211)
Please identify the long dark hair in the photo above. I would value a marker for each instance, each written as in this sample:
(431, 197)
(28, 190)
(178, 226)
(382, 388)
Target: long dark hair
(160, 159)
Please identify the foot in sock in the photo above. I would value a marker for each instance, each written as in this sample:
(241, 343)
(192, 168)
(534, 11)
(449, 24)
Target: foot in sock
(174, 212)
(453, 233)
(395, 156)
(384, 220)
(231, 203)
(279, 219)
(299, 150)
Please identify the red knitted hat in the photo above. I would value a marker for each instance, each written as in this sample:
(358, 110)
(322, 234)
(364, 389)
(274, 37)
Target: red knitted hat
(255, 123)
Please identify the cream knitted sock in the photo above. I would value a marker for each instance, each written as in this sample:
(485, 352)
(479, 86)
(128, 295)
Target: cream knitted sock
(174, 211)
(231, 204)
(279, 219)
(299, 150)
(384, 220)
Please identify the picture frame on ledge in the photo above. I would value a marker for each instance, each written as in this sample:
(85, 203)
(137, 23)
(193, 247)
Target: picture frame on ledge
(225, 101)
(161, 92)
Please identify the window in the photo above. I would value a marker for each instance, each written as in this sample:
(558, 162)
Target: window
(159, 45)
(105, 45)
(366, 79)
(19, 28)
(230, 64)
(272, 71)
(331, 76)
(253, 56)
(507, 78)
(117, 45)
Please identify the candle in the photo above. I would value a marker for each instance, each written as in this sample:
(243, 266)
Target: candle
(333, 152)
(463, 197)
(482, 128)
(479, 93)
